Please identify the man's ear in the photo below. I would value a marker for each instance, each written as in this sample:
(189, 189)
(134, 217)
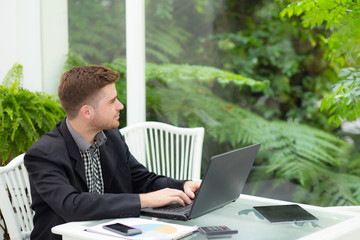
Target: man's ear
(86, 111)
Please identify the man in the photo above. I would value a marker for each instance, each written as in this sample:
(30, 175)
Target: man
(83, 170)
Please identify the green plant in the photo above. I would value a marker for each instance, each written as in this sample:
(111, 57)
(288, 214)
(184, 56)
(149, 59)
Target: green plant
(340, 17)
(285, 54)
(293, 152)
(184, 95)
(97, 29)
(254, 43)
(24, 115)
(344, 101)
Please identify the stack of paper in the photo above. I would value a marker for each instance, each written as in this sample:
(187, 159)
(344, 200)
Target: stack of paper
(151, 229)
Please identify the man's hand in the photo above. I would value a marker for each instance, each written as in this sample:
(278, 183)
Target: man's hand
(191, 187)
(163, 197)
(167, 195)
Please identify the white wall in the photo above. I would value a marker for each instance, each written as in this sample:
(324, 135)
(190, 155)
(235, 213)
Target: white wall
(34, 33)
(8, 36)
(29, 43)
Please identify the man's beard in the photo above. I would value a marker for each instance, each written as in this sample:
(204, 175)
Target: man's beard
(98, 124)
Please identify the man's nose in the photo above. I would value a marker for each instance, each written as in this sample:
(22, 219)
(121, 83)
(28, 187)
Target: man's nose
(121, 106)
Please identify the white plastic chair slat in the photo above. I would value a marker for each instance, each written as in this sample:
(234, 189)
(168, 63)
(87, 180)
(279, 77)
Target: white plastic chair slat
(191, 156)
(8, 212)
(20, 173)
(140, 142)
(147, 150)
(15, 199)
(162, 154)
(157, 151)
(182, 156)
(14, 193)
(172, 155)
(132, 149)
(168, 150)
(177, 156)
(197, 154)
(186, 156)
(27, 200)
(22, 200)
(27, 184)
(152, 149)
(168, 163)
(126, 139)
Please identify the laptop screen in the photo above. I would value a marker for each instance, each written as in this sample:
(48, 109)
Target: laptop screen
(224, 179)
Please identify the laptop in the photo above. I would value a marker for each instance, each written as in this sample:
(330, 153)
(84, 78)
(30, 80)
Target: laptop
(222, 184)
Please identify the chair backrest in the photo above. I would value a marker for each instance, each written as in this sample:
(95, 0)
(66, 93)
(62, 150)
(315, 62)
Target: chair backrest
(15, 199)
(165, 149)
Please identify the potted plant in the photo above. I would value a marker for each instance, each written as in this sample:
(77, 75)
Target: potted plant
(24, 117)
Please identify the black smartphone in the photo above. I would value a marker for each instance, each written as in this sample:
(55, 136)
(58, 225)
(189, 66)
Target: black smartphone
(122, 229)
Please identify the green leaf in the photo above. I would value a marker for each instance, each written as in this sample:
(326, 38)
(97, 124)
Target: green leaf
(23, 119)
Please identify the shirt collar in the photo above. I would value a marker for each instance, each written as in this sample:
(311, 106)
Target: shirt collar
(82, 144)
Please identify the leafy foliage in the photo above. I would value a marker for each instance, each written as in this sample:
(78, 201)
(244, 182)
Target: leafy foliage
(344, 101)
(249, 43)
(340, 17)
(286, 55)
(164, 43)
(294, 152)
(189, 73)
(183, 95)
(97, 29)
(24, 115)
(74, 60)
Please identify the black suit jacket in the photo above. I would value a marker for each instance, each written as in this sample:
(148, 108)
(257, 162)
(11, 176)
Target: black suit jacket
(58, 184)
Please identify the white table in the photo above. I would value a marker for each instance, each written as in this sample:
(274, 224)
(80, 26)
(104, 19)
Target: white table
(333, 223)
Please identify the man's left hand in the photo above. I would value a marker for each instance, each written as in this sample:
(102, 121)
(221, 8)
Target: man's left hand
(191, 187)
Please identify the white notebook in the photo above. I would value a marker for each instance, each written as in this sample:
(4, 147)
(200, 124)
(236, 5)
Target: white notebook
(151, 229)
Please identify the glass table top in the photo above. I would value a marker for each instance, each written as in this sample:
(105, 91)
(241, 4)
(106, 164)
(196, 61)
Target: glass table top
(241, 216)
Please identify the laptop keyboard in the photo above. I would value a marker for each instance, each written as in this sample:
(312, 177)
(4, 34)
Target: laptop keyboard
(176, 207)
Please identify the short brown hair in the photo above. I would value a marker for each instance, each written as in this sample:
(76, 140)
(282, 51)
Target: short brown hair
(81, 84)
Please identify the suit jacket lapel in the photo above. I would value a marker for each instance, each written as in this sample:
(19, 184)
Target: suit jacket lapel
(108, 166)
(73, 150)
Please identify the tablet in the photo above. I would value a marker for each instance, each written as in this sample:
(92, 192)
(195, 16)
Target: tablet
(285, 213)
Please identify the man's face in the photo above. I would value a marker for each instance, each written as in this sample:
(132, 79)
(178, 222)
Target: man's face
(107, 110)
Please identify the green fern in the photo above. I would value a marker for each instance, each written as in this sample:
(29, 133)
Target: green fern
(24, 115)
(170, 73)
(295, 152)
(164, 43)
(344, 101)
(183, 95)
(74, 60)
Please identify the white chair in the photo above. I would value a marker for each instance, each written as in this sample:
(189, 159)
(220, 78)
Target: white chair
(165, 149)
(15, 199)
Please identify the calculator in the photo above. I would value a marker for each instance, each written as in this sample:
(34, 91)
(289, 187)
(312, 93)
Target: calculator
(216, 230)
